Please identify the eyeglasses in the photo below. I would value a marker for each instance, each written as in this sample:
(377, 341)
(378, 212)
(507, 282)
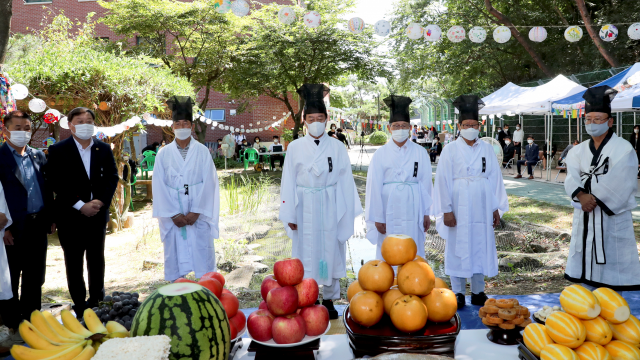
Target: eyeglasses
(400, 127)
(467, 126)
(596, 120)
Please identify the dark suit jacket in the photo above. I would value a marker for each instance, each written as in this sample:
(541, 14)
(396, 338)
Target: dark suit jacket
(14, 191)
(533, 153)
(65, 171)
(508, 152)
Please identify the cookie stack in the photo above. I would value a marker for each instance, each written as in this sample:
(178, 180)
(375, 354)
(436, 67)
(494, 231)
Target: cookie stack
(504, 313)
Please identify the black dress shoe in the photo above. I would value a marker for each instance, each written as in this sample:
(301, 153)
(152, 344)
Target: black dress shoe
(461, 301)
(333, 313)
(478, 299)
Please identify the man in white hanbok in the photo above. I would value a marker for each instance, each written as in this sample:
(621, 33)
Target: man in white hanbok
(399, 183)
(186, 198)
(319, 199)
(468, 199)
(601, 181)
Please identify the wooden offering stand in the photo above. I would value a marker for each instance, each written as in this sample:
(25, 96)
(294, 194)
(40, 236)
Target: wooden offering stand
(302, 352)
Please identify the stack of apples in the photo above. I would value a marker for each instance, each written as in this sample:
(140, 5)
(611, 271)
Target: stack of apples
(288, 311)
(410, 299)
(214, 281)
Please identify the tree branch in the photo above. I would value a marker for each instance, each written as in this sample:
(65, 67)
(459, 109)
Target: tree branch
(595, 36)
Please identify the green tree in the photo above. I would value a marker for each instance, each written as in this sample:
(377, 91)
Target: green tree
(361, 99)
(191, 38)
(275, 59)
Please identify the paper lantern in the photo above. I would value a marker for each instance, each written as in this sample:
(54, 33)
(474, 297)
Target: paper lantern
(484, 117)
(19, 91)
(286, 15)
(355, 25)
(573, 33)
(51, 116)
(242, 126)
(101, 135)
(414, 31)
(226, 127)
(538, 34)
(222, 6)
(477, 34)
(501, 34)
(103, 106)
(432, 33)
(382, 28)
(64, 122)
(240, 8)
(634, 31)
(208, 121)
(37, 105)
(48, 142)
(437, 122)
(456, 34)
(608, 32)
(312, 19)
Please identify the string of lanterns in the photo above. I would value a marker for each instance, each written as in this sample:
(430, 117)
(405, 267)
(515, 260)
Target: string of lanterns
(271, 127)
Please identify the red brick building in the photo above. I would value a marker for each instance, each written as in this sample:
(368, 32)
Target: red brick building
(28, 15)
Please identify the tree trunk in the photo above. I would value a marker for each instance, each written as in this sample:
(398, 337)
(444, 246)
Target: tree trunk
(201, 126)
(595, 36)
(5, 27)
(505, 21)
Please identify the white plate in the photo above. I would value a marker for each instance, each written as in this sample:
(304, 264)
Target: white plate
(307, 339)
(240, 333)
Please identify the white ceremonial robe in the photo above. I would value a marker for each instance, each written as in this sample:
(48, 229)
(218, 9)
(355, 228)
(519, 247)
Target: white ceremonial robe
(318, 194)
(189, 248)
(603, 250)
(402, 175)
(469, 184)
(5, 278)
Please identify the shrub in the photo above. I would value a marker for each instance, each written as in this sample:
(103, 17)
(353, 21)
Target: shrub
(378, 138)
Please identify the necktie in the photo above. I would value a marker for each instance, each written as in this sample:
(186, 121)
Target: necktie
(317, 142)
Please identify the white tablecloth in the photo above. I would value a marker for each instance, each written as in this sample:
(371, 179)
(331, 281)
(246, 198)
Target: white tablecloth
(332, 347)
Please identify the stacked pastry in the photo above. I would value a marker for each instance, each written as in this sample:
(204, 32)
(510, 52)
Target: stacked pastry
(505, 314)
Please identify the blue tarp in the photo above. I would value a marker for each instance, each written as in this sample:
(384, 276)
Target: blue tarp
(612, 82)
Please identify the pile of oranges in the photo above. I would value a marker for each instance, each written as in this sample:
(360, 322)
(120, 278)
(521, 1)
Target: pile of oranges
(410, 297)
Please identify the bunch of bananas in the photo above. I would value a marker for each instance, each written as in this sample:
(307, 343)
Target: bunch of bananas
(50, 340)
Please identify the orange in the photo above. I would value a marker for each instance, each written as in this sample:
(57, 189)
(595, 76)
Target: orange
(536, 338)
(579, 302)
(615, 308)
(592, 351)
(557, 352)
(416, 278)
(598, 331)
(419, 258)
(441, 305)
(620, 350)
(441, 284)
(389, 297)
(353, 289)
(366, 308)
(408, 314)
(628, 331)
(376, 275)
(565, 329)
(398, 249)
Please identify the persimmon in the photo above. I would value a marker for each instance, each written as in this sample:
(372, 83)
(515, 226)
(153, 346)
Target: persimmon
(441, 304)
(409, 314)
(375, 275)
(398, 249)
(389, 297)
(366, 308)
(416, 278)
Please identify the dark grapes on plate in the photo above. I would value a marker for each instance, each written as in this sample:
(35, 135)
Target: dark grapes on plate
(135, 295)
(107, 298)
(113, 313)
(117, 299)
(117, 306)
(95, 309)
(127, 325)
(126, 318)
(120, 322)
(133, 312)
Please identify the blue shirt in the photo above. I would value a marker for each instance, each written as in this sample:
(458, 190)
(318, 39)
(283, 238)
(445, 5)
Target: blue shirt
(30, 180)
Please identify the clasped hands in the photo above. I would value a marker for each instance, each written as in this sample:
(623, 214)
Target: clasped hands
(382, 227)
(91, 208)
(587, 201)
(184, 220)
(450, 219)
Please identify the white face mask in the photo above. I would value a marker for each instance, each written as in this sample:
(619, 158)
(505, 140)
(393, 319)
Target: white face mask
(400, 135)
(636, 131)
(182, 134)
(470, 133)
(275, 141)
(517, 127)
(20, 138)
(507, 142)
(257, 141)
(597, 129)
(530, 141)
(317, 128)
(84, 131)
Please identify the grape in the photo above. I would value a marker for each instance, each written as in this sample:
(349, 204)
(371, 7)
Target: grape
(117, 299)
(113, 313)
(115, 293)
(119, 321)
(133, 312)
(135, 295)
(127, 325)
(104, 318)
(95, 309)
(126, 297)
(126, 318)
(126, 309)
(117, 306)
(126, 302)
(98, 313)
(108, 298)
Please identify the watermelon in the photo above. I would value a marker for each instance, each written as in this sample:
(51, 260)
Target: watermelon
(192, 316)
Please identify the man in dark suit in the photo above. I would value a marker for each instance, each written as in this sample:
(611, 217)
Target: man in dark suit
(83, 175)
(509, 150)
(503, 134)
(531, 158)
(29, 201)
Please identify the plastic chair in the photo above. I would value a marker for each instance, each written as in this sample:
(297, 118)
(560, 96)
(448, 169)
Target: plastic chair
(250, 155)
(538, 165)
(509, 165)
(147, 163)
(149, 153)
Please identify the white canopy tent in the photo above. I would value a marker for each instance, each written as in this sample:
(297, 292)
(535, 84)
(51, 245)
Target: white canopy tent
(628, 100)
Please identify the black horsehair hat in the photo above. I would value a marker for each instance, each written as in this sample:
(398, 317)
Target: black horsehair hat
(398, 108)
(182, 108)
(313, 95)
(469, 107)
(598, 99)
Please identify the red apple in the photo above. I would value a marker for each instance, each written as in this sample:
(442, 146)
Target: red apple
(316, 319)
(214, 275)
(233, 331)
(239, 321)
(213, 285)
(263, 305)
(288, 271)
(181, 280)
(288, 329)
(230, 304)
(260, 324)
(226, 291)
(282, 301)
(307, 292)
(268, 283)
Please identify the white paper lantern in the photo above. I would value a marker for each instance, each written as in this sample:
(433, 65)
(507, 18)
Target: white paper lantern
(501, 34)
(414, 31)
(382, 28)
(242, 130)
(456, 34)
(484, 117)
(37, 105)
(573, 33)
(356, 25)
(499, 115)
(634, 31)
(492, 116)
(538, 34)
(64, 122)
(19, 91)
(53, 112)
(287, 15)
(242, 126)
(240, 8)
(432, 33)
(312, 19)
(509, 113)
(437, 122)
(221, 127)
(226, 127)
(222, 6)
(450, 122)
(477, 34)
(608, 32)
(208, 121)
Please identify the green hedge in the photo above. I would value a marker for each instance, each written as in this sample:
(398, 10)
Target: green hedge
(378, 138)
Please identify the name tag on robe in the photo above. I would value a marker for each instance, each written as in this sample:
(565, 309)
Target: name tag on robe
(484, 164)
(330, 164)
(415, 169)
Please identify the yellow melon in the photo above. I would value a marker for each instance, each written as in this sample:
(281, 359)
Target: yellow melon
(536, 338)
(598, 330)
(557, 352)
(565, 329)
(620, 350)
(628, 331)
(579, 302)
(592, 351)
(615, 308)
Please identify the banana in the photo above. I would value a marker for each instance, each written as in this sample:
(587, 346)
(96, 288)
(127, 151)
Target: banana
(59, 328)
(35, 338)
(69, 353)
(96, 345)
(114, 327)
(93, 322)
(20, 352)
(86, 354)
(72, 324)
(38, 320)
(114, 335)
